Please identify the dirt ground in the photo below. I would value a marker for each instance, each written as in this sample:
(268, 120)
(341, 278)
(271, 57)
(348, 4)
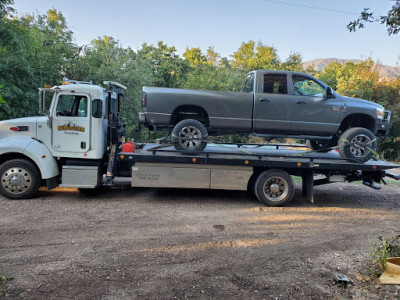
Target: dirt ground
(185, 244)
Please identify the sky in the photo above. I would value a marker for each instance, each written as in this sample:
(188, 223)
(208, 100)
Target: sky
(313, 28)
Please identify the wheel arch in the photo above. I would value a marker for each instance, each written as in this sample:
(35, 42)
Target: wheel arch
(31, 150)
(195, 112)
(358, 120)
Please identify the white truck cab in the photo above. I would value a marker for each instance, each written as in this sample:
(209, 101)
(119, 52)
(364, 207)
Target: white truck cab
(68, 145)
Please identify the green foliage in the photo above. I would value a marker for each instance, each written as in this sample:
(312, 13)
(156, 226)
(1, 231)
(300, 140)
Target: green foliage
(168, 68)
(391, 20)
(5, 7)
(293, 63)
(351, 79)
(194, 56)
(381, 251)
(251, 56)
(208, 77)
(4, 279)
(1, 98)
(34, 51)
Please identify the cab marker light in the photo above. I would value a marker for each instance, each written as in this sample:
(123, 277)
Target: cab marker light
(19, 128)
(122, 156)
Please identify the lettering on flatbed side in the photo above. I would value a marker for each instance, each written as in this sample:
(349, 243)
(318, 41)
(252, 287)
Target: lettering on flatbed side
(148, 177)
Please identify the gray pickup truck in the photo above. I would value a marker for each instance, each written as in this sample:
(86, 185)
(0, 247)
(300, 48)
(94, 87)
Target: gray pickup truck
(272, 104)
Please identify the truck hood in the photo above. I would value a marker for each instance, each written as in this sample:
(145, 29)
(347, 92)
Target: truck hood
(361, 102)
(26, 126)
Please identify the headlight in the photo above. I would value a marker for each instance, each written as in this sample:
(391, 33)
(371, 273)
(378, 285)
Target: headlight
(380, 113)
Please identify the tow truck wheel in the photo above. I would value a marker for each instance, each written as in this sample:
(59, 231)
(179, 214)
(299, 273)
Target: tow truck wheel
(20, 179)
(274, 187)
(356, 144)
(189, 136)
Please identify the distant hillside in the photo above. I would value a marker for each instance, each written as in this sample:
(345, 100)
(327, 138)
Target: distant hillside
(385, 72)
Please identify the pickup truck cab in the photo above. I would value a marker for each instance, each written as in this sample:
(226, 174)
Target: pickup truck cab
(272, 104)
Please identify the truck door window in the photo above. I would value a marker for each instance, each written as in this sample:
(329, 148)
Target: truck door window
(275, 84)
(307, 87)
(72, 105)
(249, 84)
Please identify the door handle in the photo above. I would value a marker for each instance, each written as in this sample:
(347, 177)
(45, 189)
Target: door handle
(300, 102)
(264, 99)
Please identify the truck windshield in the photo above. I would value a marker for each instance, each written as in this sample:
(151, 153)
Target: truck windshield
(249, 83)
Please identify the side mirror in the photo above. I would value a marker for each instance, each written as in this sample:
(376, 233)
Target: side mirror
(329, 92)
(97, 108)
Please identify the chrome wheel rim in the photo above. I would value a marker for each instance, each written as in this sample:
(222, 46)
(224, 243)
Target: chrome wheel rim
(276, 188)
(16, 180)
(190, 137)
(359, 145)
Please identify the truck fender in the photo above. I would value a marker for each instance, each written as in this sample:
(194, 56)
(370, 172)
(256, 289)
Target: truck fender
(34, 150)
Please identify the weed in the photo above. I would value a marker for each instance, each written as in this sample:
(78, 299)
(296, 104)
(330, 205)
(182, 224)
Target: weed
(3, 281)
(383, 249)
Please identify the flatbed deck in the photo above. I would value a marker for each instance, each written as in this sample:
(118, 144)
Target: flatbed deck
(238, 161)
(282, 156)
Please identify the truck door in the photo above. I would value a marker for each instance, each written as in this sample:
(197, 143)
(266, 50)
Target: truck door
(71, 123)
(272, 104)
(312, 110)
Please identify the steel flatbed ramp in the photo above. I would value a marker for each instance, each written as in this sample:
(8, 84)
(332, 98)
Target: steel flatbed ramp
(159, 165)
(265, 156)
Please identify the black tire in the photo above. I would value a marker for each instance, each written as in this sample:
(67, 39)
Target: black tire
(19, 179)
(189, 136)
(320, 145)
(274, 187)
(354, 144)
(251, 185)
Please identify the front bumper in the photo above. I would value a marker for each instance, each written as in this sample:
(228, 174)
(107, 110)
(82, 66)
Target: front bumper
(383, 127)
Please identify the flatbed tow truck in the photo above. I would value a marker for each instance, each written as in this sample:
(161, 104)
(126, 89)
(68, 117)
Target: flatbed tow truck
(79, 143)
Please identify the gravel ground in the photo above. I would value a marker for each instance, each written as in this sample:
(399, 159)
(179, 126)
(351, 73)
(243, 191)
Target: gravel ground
(181, 244)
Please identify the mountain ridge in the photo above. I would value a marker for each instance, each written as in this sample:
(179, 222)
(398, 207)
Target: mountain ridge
(385, 72)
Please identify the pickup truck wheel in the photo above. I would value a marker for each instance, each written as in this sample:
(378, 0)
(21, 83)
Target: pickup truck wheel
(274, 187)
(189, 136)
(320, 145)
(20, 179)
(356, 144)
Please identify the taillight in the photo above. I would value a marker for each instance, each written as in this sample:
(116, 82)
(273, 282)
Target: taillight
(144, 99)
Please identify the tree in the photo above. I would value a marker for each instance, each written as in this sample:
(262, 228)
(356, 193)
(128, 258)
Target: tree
(213, 58)
(169, 69)
(34, 51)
(194, 56)
(391, 20)
(1, 98)
(251, 56)
(351, 79)
(206, 77)
(293, 63)
(5, 7)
